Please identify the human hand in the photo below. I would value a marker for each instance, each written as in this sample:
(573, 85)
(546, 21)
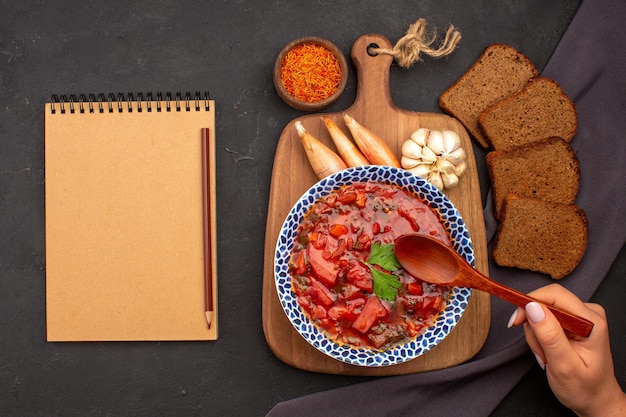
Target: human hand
(579, 370)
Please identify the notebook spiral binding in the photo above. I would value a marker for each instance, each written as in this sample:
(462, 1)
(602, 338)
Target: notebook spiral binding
(112, 102)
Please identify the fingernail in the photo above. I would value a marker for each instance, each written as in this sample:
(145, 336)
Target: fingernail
(542, 365)
(535, 312)
(512, 319)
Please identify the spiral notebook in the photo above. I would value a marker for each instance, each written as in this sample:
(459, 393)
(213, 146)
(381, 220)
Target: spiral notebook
(126, 216)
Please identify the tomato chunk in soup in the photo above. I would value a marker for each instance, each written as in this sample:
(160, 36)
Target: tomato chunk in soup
(333, 279)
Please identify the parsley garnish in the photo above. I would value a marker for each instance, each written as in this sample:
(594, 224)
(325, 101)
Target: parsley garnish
(383, 256)
(386, 285)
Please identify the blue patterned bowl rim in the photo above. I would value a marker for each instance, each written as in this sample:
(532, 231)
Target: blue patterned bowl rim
(455, 305)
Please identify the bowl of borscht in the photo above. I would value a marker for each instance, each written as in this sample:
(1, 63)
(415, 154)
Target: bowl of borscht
(337, 277)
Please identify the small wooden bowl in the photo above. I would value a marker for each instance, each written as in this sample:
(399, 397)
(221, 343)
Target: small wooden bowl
(303, 105)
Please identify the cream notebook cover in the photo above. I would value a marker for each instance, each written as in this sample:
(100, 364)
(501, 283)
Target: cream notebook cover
(124, 218)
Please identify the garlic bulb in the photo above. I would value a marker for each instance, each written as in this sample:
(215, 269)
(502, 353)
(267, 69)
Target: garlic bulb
(435, 155)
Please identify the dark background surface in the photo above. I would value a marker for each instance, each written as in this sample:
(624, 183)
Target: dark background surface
(227, 47)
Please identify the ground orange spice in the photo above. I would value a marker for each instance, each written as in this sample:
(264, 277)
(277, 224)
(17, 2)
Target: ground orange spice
(310, 73)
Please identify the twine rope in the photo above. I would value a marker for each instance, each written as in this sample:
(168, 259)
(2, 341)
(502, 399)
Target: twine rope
(416, 41)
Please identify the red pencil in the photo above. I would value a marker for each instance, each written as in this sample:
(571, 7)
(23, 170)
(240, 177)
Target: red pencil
(206, 207)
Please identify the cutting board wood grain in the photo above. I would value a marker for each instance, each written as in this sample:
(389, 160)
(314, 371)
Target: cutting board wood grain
(292, 176)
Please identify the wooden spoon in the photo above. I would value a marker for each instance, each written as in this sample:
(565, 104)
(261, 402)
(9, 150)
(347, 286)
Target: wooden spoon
(432, 261)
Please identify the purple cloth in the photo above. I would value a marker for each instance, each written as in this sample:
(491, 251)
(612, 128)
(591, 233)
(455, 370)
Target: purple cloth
(589, 64)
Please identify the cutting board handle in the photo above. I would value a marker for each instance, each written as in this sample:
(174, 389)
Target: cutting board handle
(372, 71)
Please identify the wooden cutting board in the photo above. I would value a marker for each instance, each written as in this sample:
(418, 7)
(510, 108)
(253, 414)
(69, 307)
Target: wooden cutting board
(292, 176)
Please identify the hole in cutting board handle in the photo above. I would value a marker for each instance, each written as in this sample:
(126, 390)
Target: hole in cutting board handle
(371, 46)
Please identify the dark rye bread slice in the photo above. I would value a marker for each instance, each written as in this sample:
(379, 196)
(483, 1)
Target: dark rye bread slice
(500, 71)
(548, 169)
(539, 110)
(541, 236)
